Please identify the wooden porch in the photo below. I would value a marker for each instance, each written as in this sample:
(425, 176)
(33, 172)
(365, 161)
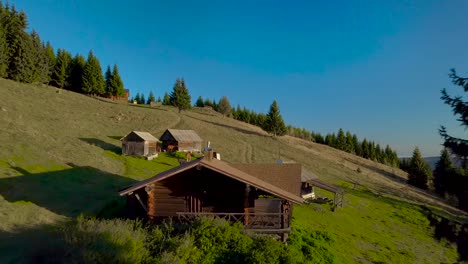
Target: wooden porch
(267, 223)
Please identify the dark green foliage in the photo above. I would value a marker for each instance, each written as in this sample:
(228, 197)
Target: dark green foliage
(443, 173)
(159, 99)
(93, 80)
(75, 79)
(458, 183)
(41, 64)
(142, 99)
(117, 85)
(166, 99)
(180, 96)
(199, 102)
(419, 173)
(61, 71)
(3, 45)
(108, 80)
(274, 122)
(224, 107)
(137, 98)
(459, 107)
(49, 56)
(151, 98)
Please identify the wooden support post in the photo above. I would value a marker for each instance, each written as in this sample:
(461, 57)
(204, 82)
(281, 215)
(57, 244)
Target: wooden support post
(246, 204)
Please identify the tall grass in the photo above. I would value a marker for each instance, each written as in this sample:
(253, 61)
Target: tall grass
(206, 240)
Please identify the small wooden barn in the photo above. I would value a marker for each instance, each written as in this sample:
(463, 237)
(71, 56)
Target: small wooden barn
(310, 181)
(138, 143)
(210, 187)
(181, 140)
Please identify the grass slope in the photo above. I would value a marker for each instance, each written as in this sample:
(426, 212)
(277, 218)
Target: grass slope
(60, 157)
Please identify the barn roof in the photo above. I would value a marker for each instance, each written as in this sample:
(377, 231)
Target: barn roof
(286, 176)
(143, 135)
(222, 168)
(185, 135)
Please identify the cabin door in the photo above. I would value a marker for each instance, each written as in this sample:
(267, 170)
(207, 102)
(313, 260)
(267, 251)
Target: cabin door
(193, 204)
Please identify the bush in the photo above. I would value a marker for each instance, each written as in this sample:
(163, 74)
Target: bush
(89, 240)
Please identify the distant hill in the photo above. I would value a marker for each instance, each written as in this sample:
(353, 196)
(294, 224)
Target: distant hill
(60, 157)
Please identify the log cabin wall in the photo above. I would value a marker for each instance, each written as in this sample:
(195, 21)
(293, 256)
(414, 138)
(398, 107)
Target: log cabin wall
(196, 191)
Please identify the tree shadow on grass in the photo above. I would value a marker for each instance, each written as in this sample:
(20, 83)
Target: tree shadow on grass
(102, 144)
(70, 192)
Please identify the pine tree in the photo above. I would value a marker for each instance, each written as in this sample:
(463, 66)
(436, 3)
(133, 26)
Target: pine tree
(3, 44)
(419, 173)
(208, 102)
(142, 99)
(224, 107)
(159, 99)
(60, 74)
(199, 102)
(180, 96)
(50, 60)
(443, 173)
(93, 80)
(108, 81)
(458, 146)
(75, 79)
(166, 99)
(274, 122)
(117, 83)
(151, 98)
(137, 98)
(365, 149)
(41, 66)
(459, 107)
(357, 146)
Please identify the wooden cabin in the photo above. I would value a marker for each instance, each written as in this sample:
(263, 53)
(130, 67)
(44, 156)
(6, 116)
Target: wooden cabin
(211, 187)
(181, 140)
(137, 143)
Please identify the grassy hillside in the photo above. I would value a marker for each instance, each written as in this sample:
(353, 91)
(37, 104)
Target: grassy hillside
(60, 157)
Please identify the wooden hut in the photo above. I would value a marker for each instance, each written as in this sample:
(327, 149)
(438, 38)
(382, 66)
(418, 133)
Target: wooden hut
(210, 187)
(137, 143)
(181, 140)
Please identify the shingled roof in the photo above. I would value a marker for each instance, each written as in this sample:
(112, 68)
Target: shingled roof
(286, 176)
(143, 135)
(225, 169)
(183, 136)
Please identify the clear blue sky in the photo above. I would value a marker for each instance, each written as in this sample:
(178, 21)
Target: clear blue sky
(372, 67)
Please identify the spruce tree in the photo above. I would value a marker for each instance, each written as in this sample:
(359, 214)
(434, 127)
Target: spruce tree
(108, 81)
(199, 102)
(443, 173)
(137, 98)
(159, 99)
(60, 74)
(224, 107)
(41, 66)
(166, 99)
(180, 96)
(3, 46)
(419, 173)
(49, 55)
(117, 83)
(93, 80)
(142, 99)
(75, 80)
(151, 98)
(274, 122)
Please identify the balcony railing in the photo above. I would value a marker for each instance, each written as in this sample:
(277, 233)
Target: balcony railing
(249, 220)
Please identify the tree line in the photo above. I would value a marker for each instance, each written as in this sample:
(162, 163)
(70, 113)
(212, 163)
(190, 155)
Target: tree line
(24, 57)
(448, 179)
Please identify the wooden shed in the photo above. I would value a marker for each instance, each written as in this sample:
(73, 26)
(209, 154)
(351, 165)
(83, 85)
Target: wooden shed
(310, 181)
(210, 187)
(181, 140)
(137, 143)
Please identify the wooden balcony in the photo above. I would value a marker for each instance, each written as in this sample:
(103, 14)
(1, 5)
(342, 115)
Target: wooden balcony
(267, 223)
